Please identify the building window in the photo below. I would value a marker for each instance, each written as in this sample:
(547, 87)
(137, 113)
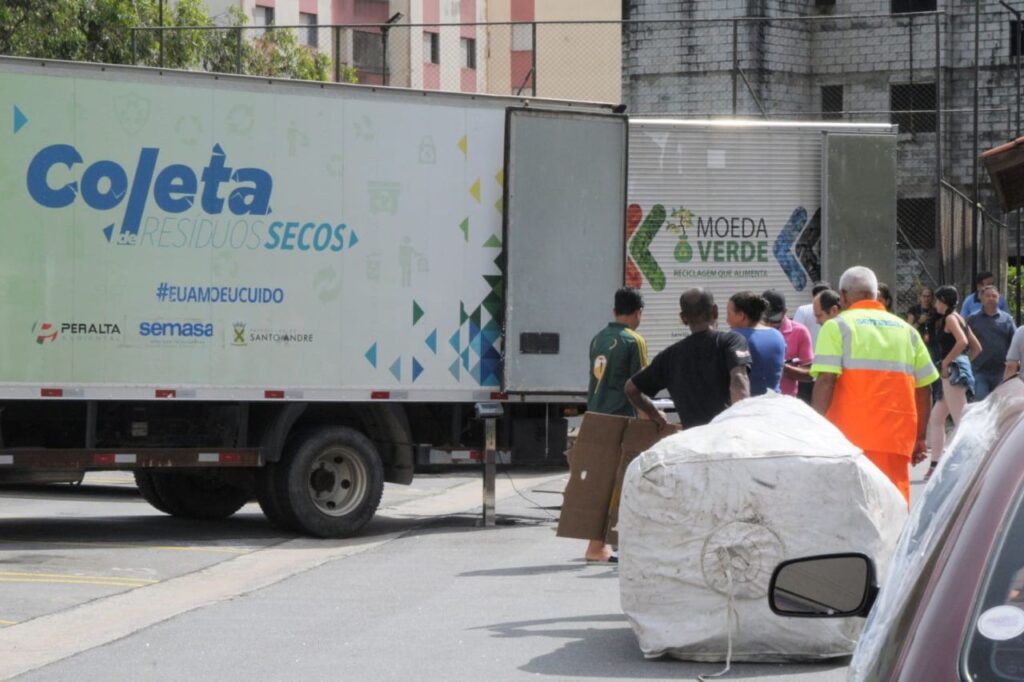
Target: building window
(522, 37)
(915, 219)
(367, 51)
(831, 102)
(312, 37)
(1016, 49)
(468, 53)
(431, 48)
(913, 107)
(910, 6)
(263, 16)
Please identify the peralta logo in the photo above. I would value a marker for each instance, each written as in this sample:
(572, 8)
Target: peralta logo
(45, 331)
(49, 332)
(105, 185)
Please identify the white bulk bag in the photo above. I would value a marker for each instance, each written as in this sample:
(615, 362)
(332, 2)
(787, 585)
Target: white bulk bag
(768, 480)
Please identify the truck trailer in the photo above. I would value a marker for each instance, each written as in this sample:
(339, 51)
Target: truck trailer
(242, 287)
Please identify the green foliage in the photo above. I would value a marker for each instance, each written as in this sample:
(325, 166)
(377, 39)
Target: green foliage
(1013, 273)
(100, 31)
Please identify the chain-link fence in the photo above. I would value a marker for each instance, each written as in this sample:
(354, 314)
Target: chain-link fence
(912, 70)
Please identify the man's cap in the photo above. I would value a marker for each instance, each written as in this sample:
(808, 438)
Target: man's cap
(776, 305)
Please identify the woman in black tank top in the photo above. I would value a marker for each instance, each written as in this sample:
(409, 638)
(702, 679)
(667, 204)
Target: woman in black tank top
(953, 339)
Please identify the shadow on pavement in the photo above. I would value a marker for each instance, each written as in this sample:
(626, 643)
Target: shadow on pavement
(596, 650)
(104, 531)
(65, 491)
(578, 567)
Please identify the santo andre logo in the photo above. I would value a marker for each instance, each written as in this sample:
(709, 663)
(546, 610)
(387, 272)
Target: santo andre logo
(188, 202)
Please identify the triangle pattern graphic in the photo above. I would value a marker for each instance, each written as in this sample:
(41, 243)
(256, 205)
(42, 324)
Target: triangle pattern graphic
(464, 226)
(432, 341)
(417, 313)
(464, 145)
(492, 242)
(500, 177)
(474, 332)
(465, 359)
(454, 369)
(454, 341)
(462, 313)
(474, 190)
(417, 369)
(474, 318)
(396, 369)
(20, 119)
(108, 232)
(499, 205)
(476, 373)
(371, 355)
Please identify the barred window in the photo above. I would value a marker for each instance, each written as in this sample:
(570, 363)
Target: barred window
(468, 53)
(831, 102)
(431, 48)
(915, 219)
(367, 51)
(909, 6)
(913, 107)
(309, 20)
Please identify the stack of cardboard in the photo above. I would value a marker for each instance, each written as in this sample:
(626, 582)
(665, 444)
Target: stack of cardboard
(605, 446)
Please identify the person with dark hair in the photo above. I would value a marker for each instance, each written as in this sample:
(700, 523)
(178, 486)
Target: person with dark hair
(799, 351)
(617, 352)
(922, 315)
(767, 345)
(704, 372)
(956, 345)
(972, 303)
(827, 304)
(873, 377)
(885, 296)
(994, 330)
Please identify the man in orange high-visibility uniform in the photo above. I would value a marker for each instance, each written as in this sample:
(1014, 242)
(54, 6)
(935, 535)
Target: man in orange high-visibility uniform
(872, 375)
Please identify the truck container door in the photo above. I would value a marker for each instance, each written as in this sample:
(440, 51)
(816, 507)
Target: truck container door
(564, 234)
(859, 204)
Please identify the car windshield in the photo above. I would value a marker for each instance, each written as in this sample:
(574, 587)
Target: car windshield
(929, 520)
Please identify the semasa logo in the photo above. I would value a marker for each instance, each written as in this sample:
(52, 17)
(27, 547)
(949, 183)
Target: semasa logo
(197, 330)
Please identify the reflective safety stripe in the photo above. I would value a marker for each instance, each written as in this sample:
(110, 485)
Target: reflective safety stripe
(924, 372)
(880, 365)
(832, 360)
(914, 340)
(847, 335)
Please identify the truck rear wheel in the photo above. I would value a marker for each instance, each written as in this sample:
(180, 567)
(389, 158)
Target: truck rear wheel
(144, 482)
(328, 483)
(199, 496)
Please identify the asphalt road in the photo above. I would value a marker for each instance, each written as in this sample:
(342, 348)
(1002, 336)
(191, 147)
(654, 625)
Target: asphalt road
(96, 584)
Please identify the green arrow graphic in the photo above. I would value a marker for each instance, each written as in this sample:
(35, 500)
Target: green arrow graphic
(640, 247)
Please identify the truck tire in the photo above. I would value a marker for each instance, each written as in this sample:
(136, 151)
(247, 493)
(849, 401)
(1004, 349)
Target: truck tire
(329, 482)
(267, 497)
(199, 496)
(144, 482)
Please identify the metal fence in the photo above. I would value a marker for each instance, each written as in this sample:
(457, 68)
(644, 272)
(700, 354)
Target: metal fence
(912, 70)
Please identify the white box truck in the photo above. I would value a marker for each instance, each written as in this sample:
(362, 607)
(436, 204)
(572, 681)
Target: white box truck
(734, 205)
(244, 286)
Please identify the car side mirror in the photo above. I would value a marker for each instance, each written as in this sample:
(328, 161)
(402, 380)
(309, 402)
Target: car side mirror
(826, 586)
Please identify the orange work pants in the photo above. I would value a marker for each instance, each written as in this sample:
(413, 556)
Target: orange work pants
(896, 467)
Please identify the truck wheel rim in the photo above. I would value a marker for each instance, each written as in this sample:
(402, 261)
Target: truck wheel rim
(337, 481)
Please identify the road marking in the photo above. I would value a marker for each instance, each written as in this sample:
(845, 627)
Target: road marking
(133, 545)
(107, 619)
(73, 579)
(8, 622)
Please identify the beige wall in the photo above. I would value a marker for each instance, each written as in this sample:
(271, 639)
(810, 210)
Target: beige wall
(574, 61)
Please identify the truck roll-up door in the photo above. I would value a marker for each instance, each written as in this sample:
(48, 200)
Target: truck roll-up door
(859, 205)
(564, 224)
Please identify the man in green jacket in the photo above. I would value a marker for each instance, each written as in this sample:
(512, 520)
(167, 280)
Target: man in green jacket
(617, 352)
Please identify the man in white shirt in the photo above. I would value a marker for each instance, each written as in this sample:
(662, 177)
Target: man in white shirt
(805, 313)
